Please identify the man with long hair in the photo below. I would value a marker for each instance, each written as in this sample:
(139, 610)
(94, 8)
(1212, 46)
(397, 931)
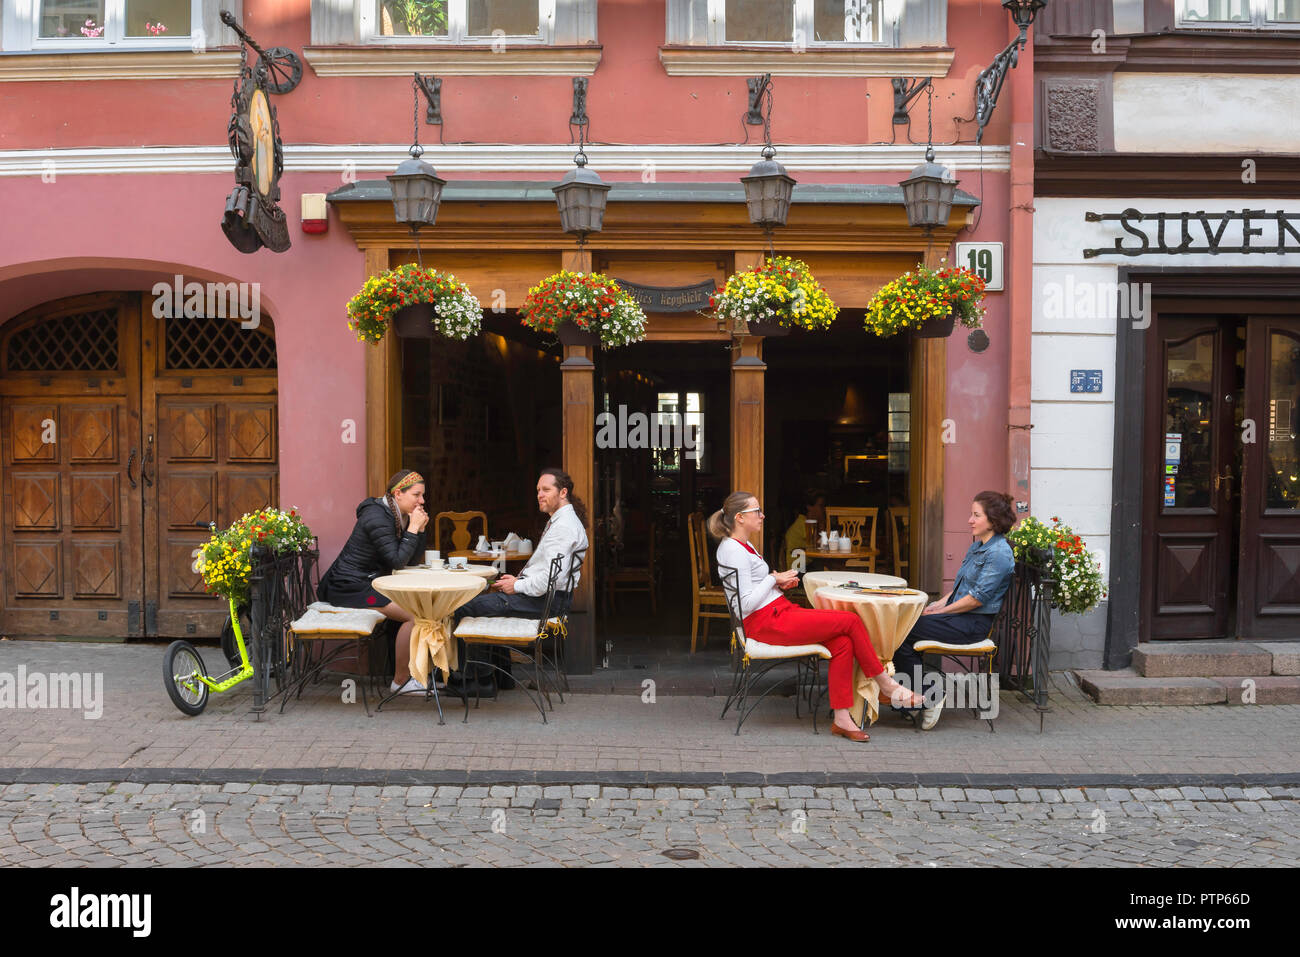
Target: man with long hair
(524, 595)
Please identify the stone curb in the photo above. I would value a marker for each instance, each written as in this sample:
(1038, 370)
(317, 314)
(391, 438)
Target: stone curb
(380, 777)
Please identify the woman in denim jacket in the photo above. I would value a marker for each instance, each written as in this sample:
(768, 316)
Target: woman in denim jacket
(964, 616)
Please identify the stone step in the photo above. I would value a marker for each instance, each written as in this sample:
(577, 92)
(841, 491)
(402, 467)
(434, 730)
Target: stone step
(1201, 659)
(1268, 689)
(1127, 687)
(1286, 656)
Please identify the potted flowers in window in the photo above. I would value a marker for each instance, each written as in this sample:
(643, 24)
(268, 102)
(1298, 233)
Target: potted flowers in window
(416, 302)
(927, 302)
(1063, 557)
(583, 309)
(771, 299)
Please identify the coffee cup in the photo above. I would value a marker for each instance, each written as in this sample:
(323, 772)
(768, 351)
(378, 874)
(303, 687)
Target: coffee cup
(432, 558)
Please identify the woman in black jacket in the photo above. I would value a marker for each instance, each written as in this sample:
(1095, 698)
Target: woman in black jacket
(389, 533)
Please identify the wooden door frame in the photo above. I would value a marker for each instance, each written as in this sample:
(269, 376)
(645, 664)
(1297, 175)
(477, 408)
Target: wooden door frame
(711, 229)
(1187, 290)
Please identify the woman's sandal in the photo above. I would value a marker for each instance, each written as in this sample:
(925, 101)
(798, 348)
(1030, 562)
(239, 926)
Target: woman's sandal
(853, 735)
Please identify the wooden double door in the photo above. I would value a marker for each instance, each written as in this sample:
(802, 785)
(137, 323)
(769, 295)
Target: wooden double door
(1222, 474)
(122, 435)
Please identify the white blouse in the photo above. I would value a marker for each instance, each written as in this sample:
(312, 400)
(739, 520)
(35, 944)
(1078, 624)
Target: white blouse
(756, 581)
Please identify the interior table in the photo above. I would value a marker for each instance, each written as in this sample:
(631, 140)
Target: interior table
(483, 571)
(888, 617)
(431, 597)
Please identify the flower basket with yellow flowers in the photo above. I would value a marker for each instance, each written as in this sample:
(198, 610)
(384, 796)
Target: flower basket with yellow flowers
(226, 560)
(583, 309)
(416, 302)
(771, 299)
(927, 302)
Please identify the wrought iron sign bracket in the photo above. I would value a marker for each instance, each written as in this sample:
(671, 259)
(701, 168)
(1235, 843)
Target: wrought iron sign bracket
(278, 68)
(757, 87)
(988, 85)
(431, 87)
(904, 95)
(579, 117)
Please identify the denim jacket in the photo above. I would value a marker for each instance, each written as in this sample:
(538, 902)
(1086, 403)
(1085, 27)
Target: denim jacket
(985, 574)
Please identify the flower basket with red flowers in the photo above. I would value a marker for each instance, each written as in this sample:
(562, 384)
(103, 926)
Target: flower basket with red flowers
(927, 302)
(226, 561)
(1064, 557)
(590, 303)
(416, 302)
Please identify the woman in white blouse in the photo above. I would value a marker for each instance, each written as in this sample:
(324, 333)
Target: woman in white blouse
(772, 618)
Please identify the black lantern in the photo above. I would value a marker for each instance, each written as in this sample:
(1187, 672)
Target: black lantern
(768, 189)
(581, 200)
(417, 190)
(928, 192)
(580, 195)
(1023, 12)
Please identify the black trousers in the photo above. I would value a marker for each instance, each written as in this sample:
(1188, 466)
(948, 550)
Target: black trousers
(960, 629)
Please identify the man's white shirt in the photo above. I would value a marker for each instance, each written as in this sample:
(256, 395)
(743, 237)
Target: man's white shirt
(564, 535)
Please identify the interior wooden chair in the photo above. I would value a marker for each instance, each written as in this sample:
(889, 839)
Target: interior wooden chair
(635, 578)
(860, 525)
(461, 538)
(900, 518)
(706, 598)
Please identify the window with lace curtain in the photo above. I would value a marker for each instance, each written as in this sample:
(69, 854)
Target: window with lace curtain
(458, 21)
(1240, 14)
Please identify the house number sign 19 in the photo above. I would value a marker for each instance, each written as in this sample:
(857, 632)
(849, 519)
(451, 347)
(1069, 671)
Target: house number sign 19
(984, 260)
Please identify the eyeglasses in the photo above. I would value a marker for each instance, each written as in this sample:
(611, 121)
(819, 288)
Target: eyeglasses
(744, 510)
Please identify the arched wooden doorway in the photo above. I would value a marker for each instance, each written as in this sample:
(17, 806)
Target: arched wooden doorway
(122, 435)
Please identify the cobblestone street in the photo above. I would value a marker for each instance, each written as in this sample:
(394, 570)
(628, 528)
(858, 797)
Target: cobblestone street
(293, 824)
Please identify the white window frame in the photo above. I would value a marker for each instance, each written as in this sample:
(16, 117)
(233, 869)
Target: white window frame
(457, 27)
(28, 12)
(1258, 20)
(802, 28)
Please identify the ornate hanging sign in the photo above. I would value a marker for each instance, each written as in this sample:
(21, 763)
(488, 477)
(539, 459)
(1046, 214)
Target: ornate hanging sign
(1249, 232)
(253, 218)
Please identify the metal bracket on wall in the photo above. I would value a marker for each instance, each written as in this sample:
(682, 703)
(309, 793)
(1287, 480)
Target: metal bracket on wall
(757, 87)
(579, 117)
(904, 95)
(431, 87)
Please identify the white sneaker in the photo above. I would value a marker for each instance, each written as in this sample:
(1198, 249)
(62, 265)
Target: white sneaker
(930, 716)
(411, 686)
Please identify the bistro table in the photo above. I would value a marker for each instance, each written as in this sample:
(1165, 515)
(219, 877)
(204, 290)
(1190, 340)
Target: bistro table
(431, 597)
(814, 580)
(888, 619)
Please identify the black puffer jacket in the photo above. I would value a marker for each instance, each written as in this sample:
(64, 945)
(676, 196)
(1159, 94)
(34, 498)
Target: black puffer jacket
(373, 548)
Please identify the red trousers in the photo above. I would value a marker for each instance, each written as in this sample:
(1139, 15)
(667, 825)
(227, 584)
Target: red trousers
(782, 622)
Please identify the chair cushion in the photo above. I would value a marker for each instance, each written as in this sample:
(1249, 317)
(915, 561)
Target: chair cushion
(929, 646)
(324, 619)
(757, 649)
(502, 627)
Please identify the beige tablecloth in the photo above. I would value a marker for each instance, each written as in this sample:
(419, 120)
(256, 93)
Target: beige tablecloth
(431, 597)
(888, 619)
(814, 580)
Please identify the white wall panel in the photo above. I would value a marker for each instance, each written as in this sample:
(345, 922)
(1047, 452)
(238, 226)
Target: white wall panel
(1053, 357)
(1072, 435)
(1203, 113)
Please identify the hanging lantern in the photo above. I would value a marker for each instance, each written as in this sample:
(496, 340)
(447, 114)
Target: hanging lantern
(417, 191)
(581, 200)
(768, 190)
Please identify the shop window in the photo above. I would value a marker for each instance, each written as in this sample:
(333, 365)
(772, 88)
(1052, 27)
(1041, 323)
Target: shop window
(679, 435)
(458, 21)
(66, 25)
(1239, 14)
(807, 23)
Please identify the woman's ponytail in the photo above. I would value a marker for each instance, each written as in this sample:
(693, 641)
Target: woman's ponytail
(723, 522)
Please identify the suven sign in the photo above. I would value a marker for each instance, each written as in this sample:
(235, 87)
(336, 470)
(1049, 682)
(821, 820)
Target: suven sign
(1250, 232)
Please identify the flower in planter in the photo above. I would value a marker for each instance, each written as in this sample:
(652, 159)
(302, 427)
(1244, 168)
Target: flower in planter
(590, 301)
(457, 313)
(91, 29)
(781, 290)
(225, 560)
(1064, 557)
(925, 293)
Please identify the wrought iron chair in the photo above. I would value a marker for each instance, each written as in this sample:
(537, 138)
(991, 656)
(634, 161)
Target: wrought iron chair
(746, 652)
(523, 636)
(558, 625)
